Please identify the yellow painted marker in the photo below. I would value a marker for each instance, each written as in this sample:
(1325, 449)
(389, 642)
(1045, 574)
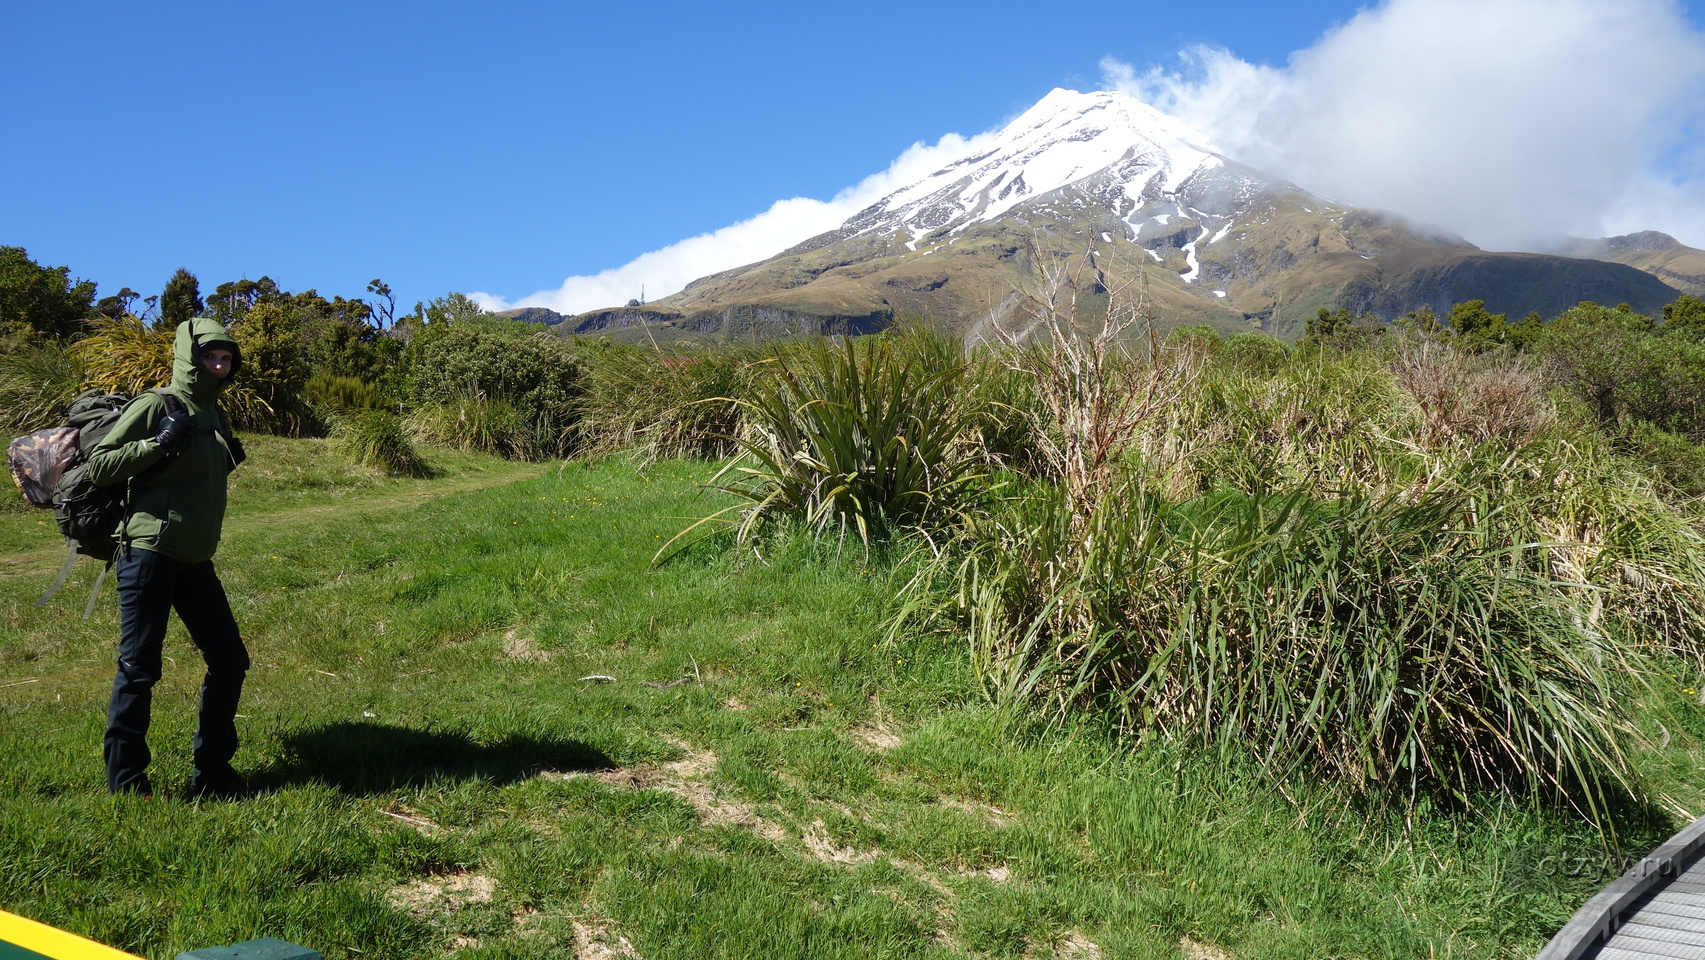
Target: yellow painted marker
(22, 939)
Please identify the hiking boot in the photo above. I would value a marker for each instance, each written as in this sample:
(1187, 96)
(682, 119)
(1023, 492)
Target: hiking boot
(139, 787)
(225, 785)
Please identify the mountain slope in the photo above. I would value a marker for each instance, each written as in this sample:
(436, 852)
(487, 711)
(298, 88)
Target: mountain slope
(1658, 254)
(1102, 174)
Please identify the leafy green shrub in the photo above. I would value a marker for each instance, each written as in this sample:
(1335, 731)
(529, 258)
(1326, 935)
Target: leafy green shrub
(1254, 352)
(378, 438)
(475, 381)
(861, 433)
(1676, 463)
(1624, 368)
(1201, 338)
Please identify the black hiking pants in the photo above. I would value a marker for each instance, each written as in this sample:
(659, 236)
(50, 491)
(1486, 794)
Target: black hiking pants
(150, 586)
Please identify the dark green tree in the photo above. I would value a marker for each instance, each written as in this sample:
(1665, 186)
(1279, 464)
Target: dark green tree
(1685, 317)
(1423, 321)
(386, 304)
(339, 336)
(452, 308)
(118, 304)
(1327, 324)
(1525, 334)
(181, 299)
(1342, 330)
(41, 299)
(1474, 328)
(233, 299)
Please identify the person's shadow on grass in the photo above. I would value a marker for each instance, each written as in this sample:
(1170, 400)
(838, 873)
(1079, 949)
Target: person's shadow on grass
(364, 758)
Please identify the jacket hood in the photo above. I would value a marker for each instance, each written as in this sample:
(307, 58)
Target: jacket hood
(189, 378)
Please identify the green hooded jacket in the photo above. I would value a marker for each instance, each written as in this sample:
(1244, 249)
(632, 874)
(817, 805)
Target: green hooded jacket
(176, 501)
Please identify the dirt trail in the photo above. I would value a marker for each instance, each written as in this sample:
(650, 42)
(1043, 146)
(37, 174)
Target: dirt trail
(246, 515)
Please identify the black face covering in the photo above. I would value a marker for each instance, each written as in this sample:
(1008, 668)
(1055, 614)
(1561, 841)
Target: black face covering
(213, 343)
(193, 382)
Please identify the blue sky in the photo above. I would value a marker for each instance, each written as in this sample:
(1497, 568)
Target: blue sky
(502, 147)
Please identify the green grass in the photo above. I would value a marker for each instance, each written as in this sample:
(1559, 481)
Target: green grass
(417, 717)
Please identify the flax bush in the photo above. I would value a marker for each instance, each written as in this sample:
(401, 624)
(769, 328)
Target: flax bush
(860, 435)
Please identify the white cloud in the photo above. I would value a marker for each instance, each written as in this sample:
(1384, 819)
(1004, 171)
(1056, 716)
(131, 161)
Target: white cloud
(1509, 121)
(784, 224)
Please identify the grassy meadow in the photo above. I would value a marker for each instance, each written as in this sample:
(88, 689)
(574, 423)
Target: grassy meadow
(1073, 645)
(769, 770)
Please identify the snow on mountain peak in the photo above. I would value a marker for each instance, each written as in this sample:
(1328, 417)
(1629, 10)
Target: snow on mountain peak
(1112, 139)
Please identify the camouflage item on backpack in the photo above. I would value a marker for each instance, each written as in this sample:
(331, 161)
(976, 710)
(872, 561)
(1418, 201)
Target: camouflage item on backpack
(38, 460)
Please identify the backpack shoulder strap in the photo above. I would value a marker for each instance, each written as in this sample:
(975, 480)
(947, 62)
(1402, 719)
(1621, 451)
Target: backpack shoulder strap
(174, 403)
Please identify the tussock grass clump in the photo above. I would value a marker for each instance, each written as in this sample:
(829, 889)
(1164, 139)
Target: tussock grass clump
(39, 378)
(1400, 643)
(475, 422)
(1402, 570)
(1463, 397)
(861, 434)
(330, 392)
(378, 438)
(665, 405)
(126, 355)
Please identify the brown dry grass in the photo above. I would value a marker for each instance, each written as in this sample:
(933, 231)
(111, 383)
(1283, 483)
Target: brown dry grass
(689, 778)
(440, 895)
(596, 941)
(1463, 397)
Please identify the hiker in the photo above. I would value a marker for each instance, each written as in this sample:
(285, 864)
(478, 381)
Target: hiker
(175, 463)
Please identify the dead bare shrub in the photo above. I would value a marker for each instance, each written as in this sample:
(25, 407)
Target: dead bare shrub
(1463, 397)
(1093, 392)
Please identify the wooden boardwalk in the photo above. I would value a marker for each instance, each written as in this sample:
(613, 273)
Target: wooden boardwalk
(1655, 910)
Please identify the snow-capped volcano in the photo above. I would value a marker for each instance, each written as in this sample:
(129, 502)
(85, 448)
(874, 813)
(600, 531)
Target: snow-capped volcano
(1115, 165)
(1214, 241)
(1113, 146)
